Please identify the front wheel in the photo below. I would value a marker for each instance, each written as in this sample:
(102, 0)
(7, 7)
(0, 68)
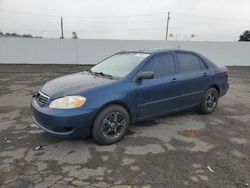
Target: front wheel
(209, 101)
(110, 125)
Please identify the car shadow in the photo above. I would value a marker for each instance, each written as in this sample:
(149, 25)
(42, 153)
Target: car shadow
(153, 121)
(131, 131)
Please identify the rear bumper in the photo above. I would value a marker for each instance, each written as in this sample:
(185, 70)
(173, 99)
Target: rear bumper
(224, 88)
(63, 123)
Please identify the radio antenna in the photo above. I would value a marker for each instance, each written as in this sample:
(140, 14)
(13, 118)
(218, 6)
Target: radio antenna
(180, 42)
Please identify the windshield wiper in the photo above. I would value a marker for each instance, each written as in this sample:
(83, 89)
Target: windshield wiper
(105, 75)
(90, 71)
(102, 74)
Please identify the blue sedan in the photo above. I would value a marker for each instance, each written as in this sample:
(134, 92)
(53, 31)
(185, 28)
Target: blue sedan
(125, 88)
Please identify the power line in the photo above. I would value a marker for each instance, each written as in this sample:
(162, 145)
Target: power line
(126, 16)
(118, 21)
(22, 12)
(77, 30)
(122, 29)
(103, 20)
(210, 18)
(38, 30)
(138, 29)
(88, 17)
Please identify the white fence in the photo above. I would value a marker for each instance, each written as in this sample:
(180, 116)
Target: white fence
(91, 51)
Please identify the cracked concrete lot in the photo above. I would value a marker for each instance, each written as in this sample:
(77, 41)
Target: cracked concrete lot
(185, 149)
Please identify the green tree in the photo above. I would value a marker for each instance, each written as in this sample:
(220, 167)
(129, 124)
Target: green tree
(18, 35)
(27, 36)
(245, 36)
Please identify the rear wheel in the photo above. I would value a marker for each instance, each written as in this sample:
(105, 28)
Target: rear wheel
(110, 125)
(209, 101)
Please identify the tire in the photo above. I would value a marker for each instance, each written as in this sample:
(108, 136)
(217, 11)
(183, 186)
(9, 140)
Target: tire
(209, 101)
(110, 125)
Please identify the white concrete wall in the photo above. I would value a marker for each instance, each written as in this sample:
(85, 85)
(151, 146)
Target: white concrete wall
(90, 51)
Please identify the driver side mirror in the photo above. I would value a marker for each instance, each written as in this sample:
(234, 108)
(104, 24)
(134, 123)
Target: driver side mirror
(145, 75)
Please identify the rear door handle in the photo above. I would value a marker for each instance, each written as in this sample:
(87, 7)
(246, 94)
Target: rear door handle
(174, 79)
(205, 74)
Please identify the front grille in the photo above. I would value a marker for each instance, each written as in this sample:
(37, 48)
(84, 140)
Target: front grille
(41, 99)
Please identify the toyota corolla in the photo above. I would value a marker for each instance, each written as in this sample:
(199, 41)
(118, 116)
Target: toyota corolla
(125, 88)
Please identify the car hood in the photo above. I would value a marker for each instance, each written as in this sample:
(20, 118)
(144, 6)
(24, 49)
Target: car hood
(73, 84)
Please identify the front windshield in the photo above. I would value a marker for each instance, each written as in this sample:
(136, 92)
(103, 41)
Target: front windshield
(119, 65)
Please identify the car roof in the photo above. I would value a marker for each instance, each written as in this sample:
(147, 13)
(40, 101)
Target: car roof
(155, 51)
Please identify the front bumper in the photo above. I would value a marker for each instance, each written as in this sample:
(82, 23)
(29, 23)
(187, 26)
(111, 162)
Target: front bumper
(63, 123)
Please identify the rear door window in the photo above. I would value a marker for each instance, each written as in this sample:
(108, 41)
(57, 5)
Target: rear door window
(190, 63)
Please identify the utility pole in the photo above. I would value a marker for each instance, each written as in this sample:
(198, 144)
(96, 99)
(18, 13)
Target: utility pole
(167, 25)
(62, 28)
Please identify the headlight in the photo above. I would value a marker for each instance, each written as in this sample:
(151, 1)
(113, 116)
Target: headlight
(68, 102)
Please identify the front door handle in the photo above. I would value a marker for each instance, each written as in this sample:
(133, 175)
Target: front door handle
(174, 79)
(205, 74)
